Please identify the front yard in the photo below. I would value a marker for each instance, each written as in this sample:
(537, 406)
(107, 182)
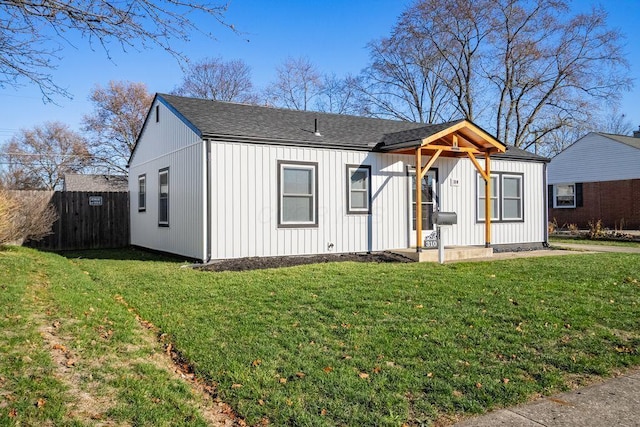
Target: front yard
(330, 344)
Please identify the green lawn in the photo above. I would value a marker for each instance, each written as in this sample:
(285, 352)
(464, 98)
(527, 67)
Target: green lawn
(343, 343)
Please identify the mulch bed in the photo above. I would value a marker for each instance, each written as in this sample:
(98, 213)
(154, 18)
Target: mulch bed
(255, 263)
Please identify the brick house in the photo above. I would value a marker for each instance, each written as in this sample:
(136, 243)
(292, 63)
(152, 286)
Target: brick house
(597, 178)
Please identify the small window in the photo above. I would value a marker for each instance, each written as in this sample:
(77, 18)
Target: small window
(163, 198)
(157, 113)
(298, 192)
(142, 193)
(564, 196)
(358, 189)
(511, 197)
(495, 208)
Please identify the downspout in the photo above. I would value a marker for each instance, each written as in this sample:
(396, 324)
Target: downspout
(206, 201)
(545, 193)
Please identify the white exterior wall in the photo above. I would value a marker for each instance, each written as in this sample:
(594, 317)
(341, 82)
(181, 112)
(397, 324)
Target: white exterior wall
(244, 193)
(245, 202)
(169, 143)
(462, 200)
(595, 158)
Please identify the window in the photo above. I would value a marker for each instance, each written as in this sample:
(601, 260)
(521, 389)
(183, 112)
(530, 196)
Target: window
(506, 197)
(565, 196)
(297, 194)
(511, 197)
(358, 189)
(157, 113)
(163, 197)
(494, 198)
(142, 193)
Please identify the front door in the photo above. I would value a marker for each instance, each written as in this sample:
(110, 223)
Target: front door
(429, 204)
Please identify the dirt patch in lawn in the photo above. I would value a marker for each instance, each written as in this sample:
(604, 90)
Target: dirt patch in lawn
(256, 263)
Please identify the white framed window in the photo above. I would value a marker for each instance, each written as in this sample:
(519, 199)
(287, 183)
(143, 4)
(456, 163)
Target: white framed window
(142, 193)
(511, 197)
(507, 197)
(297, 194)
(495, 207)
(163, 197)
(358, 189)
(564, 196)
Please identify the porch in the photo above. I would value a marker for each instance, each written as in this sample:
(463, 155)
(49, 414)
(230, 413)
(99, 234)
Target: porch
(451, 253)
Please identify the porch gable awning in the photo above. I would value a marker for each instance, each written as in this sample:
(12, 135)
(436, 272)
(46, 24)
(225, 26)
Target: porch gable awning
(455, 139)
(460, 138)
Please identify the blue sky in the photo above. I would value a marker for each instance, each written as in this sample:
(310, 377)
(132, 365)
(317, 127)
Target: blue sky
(333, 34)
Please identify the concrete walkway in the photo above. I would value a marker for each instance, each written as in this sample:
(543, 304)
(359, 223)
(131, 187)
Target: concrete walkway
(595, 248)
(615, 402)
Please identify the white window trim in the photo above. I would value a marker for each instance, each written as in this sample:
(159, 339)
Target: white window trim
(142, 180)
(350, 171)
(503, 197)
(555, 196)
(313, 167)
(161, 172)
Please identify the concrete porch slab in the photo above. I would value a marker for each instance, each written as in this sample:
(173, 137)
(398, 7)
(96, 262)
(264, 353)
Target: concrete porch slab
(451, 253)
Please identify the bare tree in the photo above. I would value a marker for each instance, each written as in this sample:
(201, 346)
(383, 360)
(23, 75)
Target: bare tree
(456, 30)
(337, 95)
(214, 78)
(617, 123)
(297, 85)
(526, 69)
(405, 81)
(38, 158)
(33, 33)
(117, 118)
(552, 73)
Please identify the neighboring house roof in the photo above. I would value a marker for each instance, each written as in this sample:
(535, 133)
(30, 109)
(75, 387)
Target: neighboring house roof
(252, 123)
(628, 140)
(97, 183)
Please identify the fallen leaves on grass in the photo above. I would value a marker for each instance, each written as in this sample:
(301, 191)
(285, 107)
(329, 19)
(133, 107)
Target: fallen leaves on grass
(363, 375)
(327, 369)
(41, 402)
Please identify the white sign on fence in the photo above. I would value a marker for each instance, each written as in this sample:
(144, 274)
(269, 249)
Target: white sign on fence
(95, 200)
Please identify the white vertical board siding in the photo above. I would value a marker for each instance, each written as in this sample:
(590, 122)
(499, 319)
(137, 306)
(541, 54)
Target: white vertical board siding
(462, 200)
(244, 194)
(595, 158)
(182, 152)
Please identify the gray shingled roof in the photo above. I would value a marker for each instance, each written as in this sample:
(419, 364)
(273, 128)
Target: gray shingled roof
(228, 120)
(408, 138)
(97, 183)
(215, 119)
(628, 140)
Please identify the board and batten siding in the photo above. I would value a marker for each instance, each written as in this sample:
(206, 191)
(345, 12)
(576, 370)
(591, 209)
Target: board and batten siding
(457, 190)
(595, 158)
(244, 198)
(168, 143)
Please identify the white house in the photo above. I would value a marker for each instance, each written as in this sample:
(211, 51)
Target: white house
(215, 180)
(597, 178)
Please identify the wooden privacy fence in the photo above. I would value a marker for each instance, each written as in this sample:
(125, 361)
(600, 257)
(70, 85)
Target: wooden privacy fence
(88, 220)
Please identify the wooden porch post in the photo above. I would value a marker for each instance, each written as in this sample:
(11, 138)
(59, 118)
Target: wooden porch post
(487, 201)
(419, 199)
